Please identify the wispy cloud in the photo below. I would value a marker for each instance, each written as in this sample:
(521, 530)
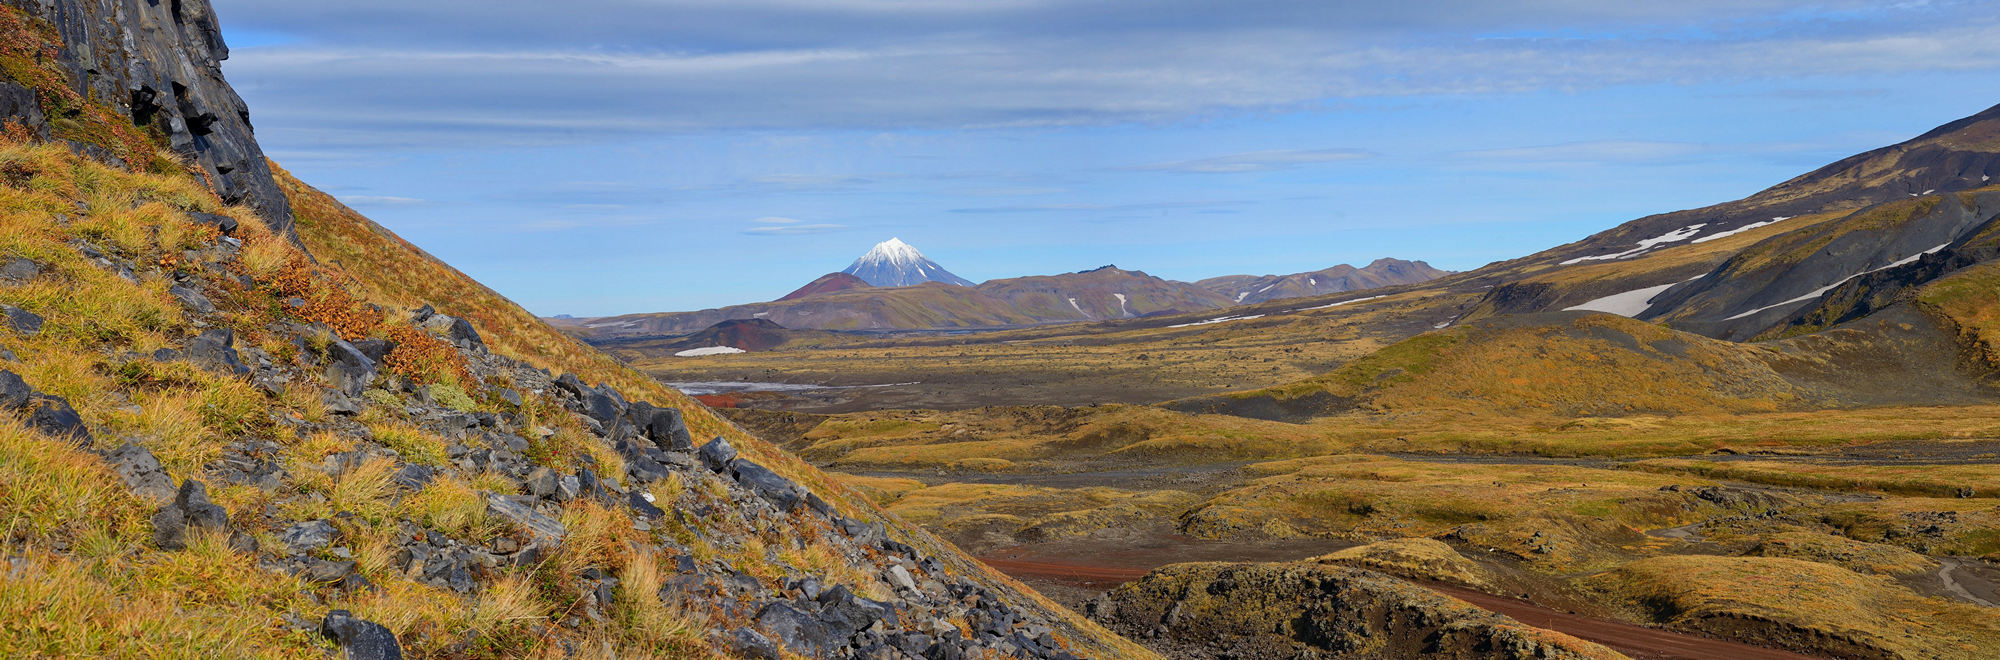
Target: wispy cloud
(1258, 161)
(782, 226)
(523, 75)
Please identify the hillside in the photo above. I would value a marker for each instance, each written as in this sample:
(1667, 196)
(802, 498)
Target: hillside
(1338, 279)
(824, 284)
(227, 437)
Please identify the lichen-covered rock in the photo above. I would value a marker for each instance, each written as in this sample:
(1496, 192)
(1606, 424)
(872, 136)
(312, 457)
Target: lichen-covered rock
(360, 639)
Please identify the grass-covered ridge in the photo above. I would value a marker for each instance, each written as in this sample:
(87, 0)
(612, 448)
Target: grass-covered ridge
(114, 255)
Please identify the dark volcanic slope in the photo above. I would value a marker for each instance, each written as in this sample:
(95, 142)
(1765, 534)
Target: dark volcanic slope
(828, 283)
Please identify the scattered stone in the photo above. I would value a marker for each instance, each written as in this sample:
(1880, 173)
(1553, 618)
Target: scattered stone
(899, 578)
(509, 395)
(796, 630)
(216, 349)
(221, 222)
(761, 480)
(24, 322)
(749, 643)
(542, 482)
(326, 570)
(642, 504)
(142, 473)
(375, 349)
(360, 639)
(306, 537)
(348, 369)
(190, 511)
(53, 416)
(415, 477)
(192, 299)
(523, 514)
(341, 404)
(20, 270)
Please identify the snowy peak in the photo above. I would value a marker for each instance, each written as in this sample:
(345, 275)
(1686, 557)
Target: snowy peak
(895, 263)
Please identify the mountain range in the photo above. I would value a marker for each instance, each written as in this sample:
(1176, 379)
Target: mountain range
(936, 299)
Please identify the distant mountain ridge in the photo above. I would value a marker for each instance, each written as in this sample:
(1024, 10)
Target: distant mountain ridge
(895, 263)
(1244, 289)
(841, 301)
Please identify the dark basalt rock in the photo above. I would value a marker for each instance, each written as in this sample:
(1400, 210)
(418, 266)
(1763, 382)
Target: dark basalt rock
(347, 368)
(160, 63)
(717, 454)
(24, 322)
(192, 299)
(799, 631)
(227, 225)
(216, 349)
(190, 511)
(360, 639)
(777, 489)
(142, 472)
(18, 269)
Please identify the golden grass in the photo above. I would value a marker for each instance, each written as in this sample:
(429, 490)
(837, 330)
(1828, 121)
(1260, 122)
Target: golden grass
(1708, 593)
(415, 444)
(1919, 480)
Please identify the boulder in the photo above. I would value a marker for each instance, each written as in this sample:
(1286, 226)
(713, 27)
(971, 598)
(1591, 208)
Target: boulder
(642, 504)
(899, 577)
(780, 491)
(523, 514)
(666, 427)
(542, 482)
(306, 537)
(796, 630)
(375, 349)
(24, 322)
(20, 270)
(360, 639)
(192, 299)
(52, 415)
(227, 225)
(142, 473)
(14, 392)
(189, 511)
(216, 349)
(717, 454)
(347, 368)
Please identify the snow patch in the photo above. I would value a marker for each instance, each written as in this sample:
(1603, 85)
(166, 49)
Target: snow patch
(1822, 290)
(760, 315)
(1078, 308)
(1744, 228)
(1674, 236)
(1343, 302)
(1241, 296)
(1628, 304)
(709, 350)
(1218, 320)
(1121, 305)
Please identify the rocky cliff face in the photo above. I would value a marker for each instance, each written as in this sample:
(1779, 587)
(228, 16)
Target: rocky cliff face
(158, 63)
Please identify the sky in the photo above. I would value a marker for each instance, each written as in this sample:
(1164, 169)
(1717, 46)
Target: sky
(597, 157)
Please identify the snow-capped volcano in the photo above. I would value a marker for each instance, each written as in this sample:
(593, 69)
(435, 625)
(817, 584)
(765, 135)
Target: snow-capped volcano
(895, 263)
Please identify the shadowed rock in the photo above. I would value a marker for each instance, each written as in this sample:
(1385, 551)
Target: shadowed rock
(360, 639)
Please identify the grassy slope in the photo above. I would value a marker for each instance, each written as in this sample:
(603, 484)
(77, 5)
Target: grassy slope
(394, 272)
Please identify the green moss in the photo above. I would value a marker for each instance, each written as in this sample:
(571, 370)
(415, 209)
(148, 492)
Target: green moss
(452, 396)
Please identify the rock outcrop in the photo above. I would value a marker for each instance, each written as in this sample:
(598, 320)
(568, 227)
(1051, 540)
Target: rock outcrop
(159, 64)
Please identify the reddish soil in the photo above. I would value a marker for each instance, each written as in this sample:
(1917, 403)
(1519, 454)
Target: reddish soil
(719, 400)
(1633, 640)
(1630, 639)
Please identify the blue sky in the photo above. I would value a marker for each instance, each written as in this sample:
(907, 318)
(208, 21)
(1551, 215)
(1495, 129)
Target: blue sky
(616, 156)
